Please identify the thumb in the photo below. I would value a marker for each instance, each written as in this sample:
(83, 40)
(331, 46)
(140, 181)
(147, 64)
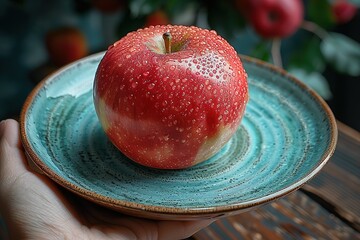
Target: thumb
(12, 158)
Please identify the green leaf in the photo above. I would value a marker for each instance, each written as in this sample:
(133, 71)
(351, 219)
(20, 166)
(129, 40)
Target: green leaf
(140, 8)
(178, 7)
(262, 50)
(342, 53)
(320, 12)
(308, 56)
(314, 80)
(355, 2)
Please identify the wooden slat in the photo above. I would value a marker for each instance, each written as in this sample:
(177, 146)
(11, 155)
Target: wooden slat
(328, 207)
(338, 184)
(294, 217)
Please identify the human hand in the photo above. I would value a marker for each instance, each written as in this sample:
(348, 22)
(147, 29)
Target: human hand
(34, 207)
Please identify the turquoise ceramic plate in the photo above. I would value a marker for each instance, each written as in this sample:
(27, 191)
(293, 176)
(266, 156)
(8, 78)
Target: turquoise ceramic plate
(286, 136)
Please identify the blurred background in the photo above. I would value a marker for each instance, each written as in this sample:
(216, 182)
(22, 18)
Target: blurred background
(317, 41)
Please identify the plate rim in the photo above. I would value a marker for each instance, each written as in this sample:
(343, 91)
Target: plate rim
(161, 212)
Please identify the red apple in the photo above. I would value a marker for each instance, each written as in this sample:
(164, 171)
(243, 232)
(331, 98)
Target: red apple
(343, 11)
(274, 18)
(108, 6)
(65, 45)
(170, 97)
(158, 17)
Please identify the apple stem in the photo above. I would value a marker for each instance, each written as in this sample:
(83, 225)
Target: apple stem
(167, 41)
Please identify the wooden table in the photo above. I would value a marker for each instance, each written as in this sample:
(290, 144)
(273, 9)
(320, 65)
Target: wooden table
(328, 207)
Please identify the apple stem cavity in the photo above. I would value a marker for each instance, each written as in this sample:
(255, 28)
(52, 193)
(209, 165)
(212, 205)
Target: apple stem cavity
(167, 41)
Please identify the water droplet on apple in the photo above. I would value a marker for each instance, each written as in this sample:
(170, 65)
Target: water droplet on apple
(154, 59)
(134, 84)
(146, 74)
(151, 86)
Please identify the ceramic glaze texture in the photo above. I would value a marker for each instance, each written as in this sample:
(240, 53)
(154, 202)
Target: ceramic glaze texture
(286, 136)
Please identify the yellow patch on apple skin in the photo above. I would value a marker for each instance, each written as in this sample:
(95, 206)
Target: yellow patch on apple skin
(212, 145)
(156, 44)
(101, 112)
(158, 154)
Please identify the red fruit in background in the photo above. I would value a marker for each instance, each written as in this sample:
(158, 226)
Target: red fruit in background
(170, 110)
(275, 18)
(343, 11)
(158, 17)
(65, 45)
(108, 6)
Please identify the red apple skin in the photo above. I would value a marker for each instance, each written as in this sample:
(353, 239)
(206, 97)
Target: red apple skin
(343, 11)
(174, 110)
(158, 17)
(65, 45)
(275, 18)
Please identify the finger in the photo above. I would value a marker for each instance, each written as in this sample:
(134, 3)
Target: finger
(12, 159)
(114, 223)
